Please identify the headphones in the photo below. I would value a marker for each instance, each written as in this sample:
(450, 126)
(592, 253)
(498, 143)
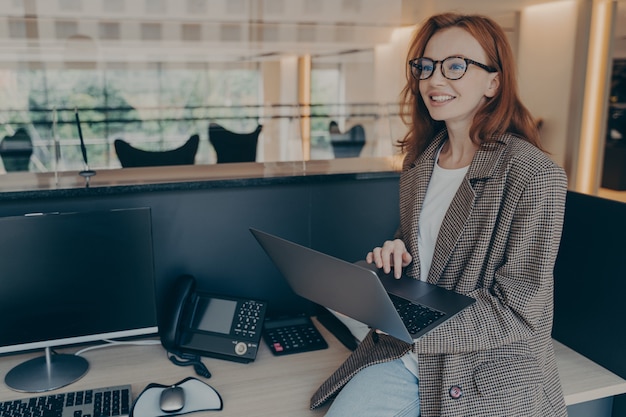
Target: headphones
(188, 359)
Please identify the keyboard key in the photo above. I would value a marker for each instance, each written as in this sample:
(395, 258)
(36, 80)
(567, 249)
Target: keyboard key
(415, 317)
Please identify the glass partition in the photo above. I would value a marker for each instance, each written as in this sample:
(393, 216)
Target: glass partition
(155, 73)
(158, 107)
(152, 107)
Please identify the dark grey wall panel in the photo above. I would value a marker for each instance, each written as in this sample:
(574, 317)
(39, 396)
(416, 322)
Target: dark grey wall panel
(590, 283)
(204, 232)
(349, 218)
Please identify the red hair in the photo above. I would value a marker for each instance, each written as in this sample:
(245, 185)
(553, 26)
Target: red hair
(504, 112)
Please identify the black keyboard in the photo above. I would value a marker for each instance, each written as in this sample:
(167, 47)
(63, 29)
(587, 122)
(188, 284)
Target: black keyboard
(414, 316)
(99, 402)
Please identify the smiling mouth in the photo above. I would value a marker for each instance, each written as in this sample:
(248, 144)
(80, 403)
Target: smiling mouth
(441, 99)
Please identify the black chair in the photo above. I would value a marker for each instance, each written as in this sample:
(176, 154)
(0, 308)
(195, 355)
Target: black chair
(349, 144)
(234, 147)
(16, 151)
(131, 157)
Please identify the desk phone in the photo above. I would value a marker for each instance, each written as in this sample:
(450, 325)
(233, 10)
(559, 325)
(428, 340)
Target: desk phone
(211, 325)
(293, 334)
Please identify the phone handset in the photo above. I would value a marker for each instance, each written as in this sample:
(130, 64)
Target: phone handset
(170, 329)
(173, 309)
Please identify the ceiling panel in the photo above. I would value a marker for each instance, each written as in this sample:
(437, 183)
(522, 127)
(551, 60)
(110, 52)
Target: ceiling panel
(216, 30)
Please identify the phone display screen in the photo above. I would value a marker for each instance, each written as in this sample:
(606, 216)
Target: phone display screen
(221, 326)
(214, 315)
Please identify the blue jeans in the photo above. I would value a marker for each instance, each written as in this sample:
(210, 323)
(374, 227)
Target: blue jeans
(383, 390)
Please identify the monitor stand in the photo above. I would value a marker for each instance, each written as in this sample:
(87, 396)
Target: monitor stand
(47, 372)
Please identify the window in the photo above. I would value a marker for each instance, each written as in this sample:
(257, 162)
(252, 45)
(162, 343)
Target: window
(154, 106)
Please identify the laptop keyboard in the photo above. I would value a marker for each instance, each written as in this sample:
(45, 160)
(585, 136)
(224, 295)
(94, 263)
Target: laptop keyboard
(415, 317)
(100, 402)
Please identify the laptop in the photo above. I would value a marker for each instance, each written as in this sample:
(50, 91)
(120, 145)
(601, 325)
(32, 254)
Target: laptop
(363, 292)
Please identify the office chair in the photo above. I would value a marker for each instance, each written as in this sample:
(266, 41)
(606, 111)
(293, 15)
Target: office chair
(234, 147)
(349, 144)
(16, 151)
(130, 156)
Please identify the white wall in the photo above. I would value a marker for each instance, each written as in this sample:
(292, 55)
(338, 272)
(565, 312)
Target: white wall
(357, 84)
(280, 139)
(546, 63)
(268, 148)
(390, 79)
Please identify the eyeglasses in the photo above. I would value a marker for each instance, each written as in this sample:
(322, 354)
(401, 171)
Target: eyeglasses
(453, 67)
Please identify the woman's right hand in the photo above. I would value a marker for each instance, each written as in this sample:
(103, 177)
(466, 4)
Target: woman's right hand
(392, 254)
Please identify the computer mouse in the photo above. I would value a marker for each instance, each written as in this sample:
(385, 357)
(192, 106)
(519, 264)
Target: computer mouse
(172, 399)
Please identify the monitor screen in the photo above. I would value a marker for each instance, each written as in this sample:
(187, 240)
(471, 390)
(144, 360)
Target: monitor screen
(75, 277)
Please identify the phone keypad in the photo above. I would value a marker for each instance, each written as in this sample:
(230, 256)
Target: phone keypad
(249, 319)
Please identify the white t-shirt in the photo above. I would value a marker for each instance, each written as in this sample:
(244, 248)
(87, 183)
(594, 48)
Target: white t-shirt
(442, 187)
(441, 190)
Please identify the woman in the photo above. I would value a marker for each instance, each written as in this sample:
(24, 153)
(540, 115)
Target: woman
(481, 212)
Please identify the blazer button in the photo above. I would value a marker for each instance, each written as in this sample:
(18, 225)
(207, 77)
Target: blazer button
(455, 392)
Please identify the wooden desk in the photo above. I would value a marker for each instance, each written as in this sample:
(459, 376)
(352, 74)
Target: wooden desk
(270, 386)
(584, 380)
(279, 386)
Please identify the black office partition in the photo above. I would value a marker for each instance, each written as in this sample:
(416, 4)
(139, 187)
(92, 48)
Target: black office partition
(202, 229)
(590, 283)
(348, 225)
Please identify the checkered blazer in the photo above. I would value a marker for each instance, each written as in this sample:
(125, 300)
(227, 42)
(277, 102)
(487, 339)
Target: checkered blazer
(498, 243)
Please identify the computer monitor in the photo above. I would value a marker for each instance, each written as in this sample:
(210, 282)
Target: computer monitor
(71, 278)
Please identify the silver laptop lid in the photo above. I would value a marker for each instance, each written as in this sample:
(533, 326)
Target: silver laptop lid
(331, 282)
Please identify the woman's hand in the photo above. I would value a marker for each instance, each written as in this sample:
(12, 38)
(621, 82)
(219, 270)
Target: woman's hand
(392, 254)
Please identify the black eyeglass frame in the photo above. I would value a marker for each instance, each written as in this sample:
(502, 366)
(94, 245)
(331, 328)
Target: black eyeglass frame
(413, 63)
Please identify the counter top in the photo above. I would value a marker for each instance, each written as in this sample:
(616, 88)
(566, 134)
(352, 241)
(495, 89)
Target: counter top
(584, 380)
(277, 385)
(115, 181)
